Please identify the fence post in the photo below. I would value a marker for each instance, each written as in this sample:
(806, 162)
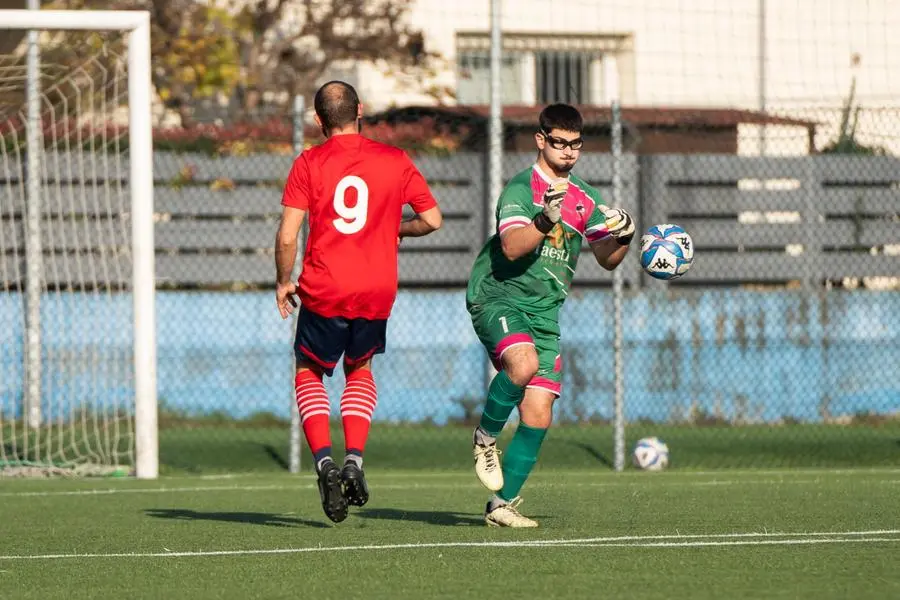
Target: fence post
(612, 89)
(295, 442)
(495, 142)
(495, 124)
(817, 282)
(812, 224)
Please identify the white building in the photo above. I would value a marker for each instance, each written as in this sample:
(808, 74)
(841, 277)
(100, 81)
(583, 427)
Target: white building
(671, 53)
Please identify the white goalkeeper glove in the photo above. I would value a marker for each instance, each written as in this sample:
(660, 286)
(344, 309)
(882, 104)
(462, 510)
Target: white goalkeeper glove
(620, 225)
(552, 209)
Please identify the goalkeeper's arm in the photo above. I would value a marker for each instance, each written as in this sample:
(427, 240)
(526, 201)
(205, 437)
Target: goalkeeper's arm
(609, 253)
(611, 250)
(519, 241)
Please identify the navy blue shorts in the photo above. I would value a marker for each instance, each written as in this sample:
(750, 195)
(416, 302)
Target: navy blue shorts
(322, 340)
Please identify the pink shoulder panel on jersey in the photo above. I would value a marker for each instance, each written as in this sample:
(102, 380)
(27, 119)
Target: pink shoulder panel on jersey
(577, 206)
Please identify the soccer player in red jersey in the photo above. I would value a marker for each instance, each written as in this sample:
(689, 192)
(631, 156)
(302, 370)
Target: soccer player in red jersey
(353, 190)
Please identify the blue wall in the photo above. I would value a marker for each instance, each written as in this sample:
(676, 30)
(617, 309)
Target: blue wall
(737, 353)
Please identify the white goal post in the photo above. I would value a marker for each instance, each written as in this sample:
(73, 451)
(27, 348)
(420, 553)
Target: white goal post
(135, 25)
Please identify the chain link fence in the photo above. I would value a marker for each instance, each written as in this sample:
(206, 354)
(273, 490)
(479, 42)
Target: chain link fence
(781, 346)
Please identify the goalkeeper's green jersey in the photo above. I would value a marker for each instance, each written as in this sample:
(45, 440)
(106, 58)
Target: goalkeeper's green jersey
(538, 282)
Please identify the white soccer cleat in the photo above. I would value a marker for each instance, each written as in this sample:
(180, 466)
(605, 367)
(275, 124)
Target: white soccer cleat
(487, 465)
(507, 515)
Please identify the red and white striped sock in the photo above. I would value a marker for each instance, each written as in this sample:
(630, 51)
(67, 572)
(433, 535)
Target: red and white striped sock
(357, 405)
(312, 401)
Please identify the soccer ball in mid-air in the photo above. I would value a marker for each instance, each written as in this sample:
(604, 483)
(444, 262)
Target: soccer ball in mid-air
(667, 251)
(650, 454)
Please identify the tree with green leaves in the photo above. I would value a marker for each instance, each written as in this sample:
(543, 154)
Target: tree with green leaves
(247, 50)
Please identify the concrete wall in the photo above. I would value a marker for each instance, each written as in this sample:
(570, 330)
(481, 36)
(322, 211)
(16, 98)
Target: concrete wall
(743, 356)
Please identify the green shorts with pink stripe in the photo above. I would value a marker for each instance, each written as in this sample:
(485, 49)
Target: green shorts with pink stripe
(501, 326)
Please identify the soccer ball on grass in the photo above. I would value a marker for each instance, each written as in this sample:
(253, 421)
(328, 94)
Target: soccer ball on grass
(650, 454)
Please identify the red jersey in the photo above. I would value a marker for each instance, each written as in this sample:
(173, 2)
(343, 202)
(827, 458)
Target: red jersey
(354, 190)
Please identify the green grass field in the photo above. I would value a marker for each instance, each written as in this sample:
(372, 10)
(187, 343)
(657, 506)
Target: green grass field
(816, 516)
(810, 533)
(222, 449)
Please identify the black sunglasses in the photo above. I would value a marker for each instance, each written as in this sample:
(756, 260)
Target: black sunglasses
(561, 144)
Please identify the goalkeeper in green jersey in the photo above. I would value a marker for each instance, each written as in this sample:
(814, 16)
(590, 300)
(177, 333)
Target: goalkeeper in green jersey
(518, 285)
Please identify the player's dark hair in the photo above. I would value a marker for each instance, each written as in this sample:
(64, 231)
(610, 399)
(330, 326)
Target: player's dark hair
(337, 105)
(561, 116)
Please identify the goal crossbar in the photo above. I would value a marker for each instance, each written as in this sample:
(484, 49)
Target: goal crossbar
(137, 25)
(98, 20)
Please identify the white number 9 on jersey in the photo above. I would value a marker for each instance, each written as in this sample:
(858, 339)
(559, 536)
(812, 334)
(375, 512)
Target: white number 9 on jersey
(352, 218)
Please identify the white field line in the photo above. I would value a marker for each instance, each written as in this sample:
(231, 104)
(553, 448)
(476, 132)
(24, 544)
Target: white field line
(700, 536)
(415, 486)
(663, 541)
(161, 490)
(710, 543)
(789, 472)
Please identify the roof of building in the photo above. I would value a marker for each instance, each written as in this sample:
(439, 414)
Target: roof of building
(521, 115)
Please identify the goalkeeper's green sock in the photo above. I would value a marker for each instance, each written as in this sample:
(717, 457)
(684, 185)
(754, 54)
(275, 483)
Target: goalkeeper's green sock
(503, 397)
(519, 459)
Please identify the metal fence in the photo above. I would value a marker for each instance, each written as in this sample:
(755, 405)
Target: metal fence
(825, 220)
(780, 347)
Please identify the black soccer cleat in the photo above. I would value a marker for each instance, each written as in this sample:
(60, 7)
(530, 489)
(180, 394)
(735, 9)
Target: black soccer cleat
(330, 490)
(356, 490)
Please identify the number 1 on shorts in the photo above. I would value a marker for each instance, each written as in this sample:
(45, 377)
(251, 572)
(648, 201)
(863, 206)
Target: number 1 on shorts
(504, 325)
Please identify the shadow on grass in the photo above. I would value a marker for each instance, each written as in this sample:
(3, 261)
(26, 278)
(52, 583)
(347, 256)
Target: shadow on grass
(431, 517)
(275, 455)
(596, 454)
(250, 518)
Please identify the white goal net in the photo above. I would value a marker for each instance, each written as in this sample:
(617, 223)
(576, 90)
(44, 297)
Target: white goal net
(70, 311)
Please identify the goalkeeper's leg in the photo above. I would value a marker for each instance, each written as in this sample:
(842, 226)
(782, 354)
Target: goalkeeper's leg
(521, 456)
(505, 332)
(536, 414)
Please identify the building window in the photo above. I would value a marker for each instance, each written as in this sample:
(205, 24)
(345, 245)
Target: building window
(474, 78)
(541, 68)
(563, 77)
